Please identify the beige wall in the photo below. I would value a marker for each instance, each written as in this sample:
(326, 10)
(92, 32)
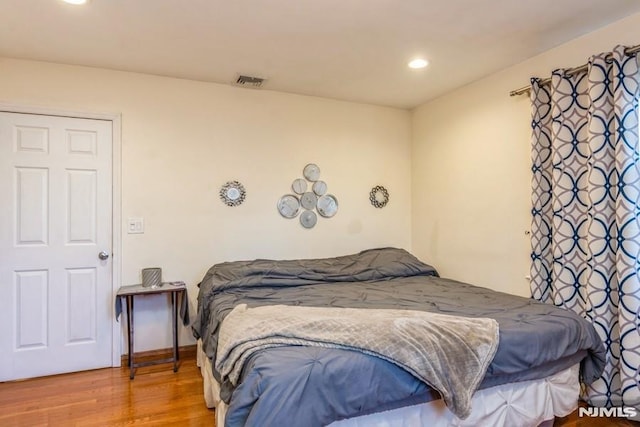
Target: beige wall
(471, 168)
(182, 140)
(459, 193)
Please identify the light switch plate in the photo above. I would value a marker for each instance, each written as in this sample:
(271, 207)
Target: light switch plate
(135, 225)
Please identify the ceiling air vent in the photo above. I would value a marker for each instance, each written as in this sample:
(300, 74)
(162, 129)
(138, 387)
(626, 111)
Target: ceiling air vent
(249, 81)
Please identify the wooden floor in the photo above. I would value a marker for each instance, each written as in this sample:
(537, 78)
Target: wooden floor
(156, 397)
(106, 397)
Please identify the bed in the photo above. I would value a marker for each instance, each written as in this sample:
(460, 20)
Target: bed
(378, 338)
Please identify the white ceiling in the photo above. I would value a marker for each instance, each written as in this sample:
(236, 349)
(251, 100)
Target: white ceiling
(353, 50)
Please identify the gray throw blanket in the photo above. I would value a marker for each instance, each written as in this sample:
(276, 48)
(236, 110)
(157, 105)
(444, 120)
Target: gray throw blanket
(449, 353)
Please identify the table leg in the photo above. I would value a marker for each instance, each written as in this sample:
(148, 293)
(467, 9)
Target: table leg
(130, 334)
(174, 306)
(181, 294)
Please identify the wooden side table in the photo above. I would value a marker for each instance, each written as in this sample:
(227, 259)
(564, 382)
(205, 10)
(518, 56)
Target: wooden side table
(128, 293)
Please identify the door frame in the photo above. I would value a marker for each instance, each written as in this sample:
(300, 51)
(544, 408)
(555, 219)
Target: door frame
(116, 209)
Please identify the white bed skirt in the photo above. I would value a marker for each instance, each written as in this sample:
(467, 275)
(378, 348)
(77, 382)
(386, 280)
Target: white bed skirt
(526, 403)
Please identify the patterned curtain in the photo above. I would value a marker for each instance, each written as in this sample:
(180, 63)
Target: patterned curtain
(586, 203)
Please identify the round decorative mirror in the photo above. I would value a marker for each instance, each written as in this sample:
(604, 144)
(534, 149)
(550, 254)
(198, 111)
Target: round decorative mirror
(319, 187)
(232, 193)
(308, 200)
(327, 206)
(288, 206)
(299, 186)
(379, 196)
(311, 172)
(308, 219)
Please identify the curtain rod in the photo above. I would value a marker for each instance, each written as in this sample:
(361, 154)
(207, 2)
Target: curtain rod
(570, 72)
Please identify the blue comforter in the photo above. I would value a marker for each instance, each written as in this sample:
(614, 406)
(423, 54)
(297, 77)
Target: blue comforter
(311, 386)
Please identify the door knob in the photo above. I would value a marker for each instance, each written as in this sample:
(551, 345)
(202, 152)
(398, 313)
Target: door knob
(103, 255)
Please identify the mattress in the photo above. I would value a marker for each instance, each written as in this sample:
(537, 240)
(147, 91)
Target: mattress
(526, 403)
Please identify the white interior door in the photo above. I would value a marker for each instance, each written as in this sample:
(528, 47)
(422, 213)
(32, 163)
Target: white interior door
(55, 218)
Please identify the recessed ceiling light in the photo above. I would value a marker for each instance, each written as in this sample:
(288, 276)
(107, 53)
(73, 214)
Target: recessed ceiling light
(75, 1)
(418, 63)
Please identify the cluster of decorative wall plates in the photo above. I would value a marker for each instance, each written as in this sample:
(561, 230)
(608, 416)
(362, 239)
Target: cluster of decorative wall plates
(309, 194)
